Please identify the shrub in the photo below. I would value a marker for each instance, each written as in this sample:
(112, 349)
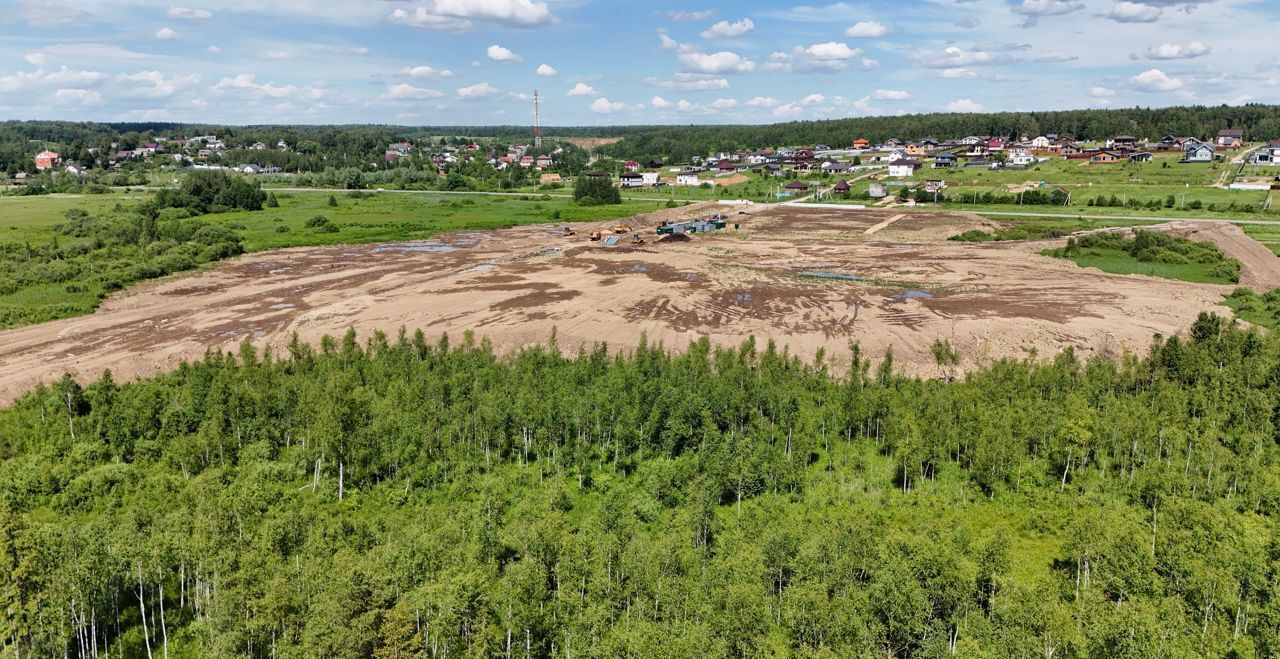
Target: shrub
(316, 221)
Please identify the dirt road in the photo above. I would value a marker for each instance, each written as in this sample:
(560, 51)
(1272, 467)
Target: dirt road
(1259, 266)
(807, 278)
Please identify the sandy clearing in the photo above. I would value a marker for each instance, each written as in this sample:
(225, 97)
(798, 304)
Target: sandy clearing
(882, 225)
(785, 275)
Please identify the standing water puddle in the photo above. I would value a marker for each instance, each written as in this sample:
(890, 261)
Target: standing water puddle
(831, 275)
(911, 295)
(428, 246)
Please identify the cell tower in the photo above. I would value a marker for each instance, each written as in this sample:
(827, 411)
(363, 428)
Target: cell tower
(537, 122)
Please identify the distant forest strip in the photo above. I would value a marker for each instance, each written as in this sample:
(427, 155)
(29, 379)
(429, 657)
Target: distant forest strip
(399, 497)
(1259, 122)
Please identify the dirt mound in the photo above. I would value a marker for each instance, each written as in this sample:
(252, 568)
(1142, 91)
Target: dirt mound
(675, 238)
(1259, 266)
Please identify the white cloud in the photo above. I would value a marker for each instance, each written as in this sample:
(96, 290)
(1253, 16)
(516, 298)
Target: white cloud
(1134, 12)
(1098, 91)
(38, 59)
(955, 57)
(214, 50)
(963, 105)
(1177, 51)
(764, 102)
(832, 50)
(890, 95)
(405, 91)
(478, 90)
(727, 30)
(1155, 80)
(819, 57)
(340, 50)
(603, 105)
(725, 61)
(499, 54)
(582, 89)
(77, 97)
(546, 70)
(247, 83)
(659, 102)
(789, 108)
(187, 14)
(1055, 56)
(458, 15)
(865, 29)
(813, 99)
(165, 33)
(690, 16)
(154, 84)
(691, 82)
(1034, 9)
(959, 73)
(425, 72)
(724, 103)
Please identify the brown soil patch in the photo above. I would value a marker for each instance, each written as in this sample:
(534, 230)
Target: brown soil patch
(515, 285)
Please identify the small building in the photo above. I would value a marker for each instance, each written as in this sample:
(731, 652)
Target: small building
(1069, 149)
(797, 186)
(1198, 152)
(1019, 157)
(549, 178)
(842, 187)
(630, 166)
(631, 180)
(47, 160)
(861, 143)
(944, 161)
(544, 162)
(688, 178)
(877, 191)
(1105, 158)
(1231, 138)
(903, 168)
(1122, 142)
(1141, 156)
(692, 226)
(934, 186)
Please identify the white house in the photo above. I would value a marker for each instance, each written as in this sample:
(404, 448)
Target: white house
(1041, 142)
(650, 178)
(687, 178)
(1019, 157)
(1197, 151)
(631, 180)
(903, 168)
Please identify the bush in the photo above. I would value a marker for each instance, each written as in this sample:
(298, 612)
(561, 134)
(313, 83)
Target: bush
(282, 229)
(316, 221)
(595, 191)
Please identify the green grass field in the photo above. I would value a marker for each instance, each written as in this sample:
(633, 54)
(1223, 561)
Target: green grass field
(1121, 263)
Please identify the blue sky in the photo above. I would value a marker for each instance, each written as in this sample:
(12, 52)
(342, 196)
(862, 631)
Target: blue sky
(609, 62)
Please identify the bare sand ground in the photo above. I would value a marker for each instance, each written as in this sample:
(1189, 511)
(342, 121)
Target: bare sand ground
(786, 274)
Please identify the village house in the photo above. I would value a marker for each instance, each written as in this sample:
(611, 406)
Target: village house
(544, 162)
(841, 187)
(944, 160)
(549, 178)
(1019, 157)
(1105, 157)
(630, 166)
(1141, 156)
(1122, 142)
(258, 146)
(903, 168)
(916, 149)
(47, 160)
(631, 180)
(861, 143)
(688, 178)
(1043, 143)
(1197, 151)
(1230, 138)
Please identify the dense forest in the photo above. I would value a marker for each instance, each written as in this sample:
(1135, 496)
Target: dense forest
(406, 497)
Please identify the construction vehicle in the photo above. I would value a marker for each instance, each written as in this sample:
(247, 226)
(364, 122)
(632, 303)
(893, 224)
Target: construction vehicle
(568, 231)
(595, 235)
(622, 228)
(637, 239)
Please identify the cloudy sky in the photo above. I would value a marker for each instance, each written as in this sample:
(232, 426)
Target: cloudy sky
(609, 62)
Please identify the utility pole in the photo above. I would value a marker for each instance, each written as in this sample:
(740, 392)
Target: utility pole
(537, 122)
